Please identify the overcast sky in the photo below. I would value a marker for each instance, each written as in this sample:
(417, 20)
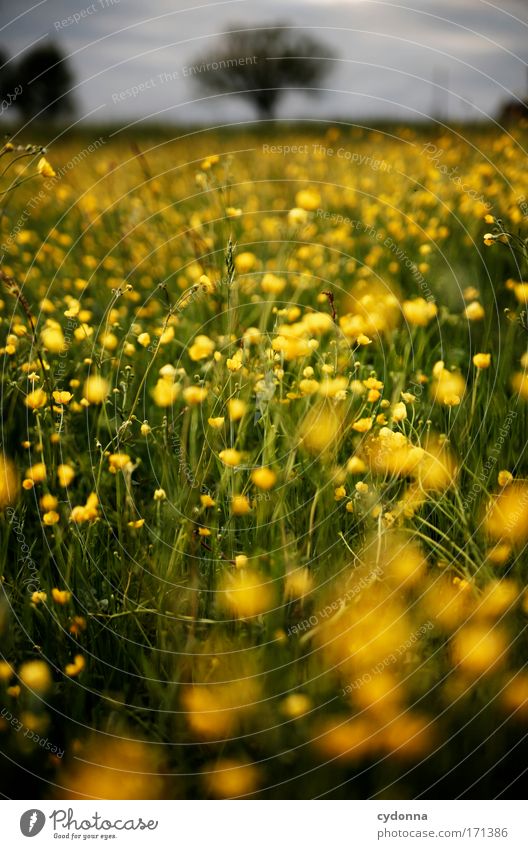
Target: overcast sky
(394, 59)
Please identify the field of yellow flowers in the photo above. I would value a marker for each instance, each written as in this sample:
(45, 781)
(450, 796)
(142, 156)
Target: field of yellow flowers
(263, 477)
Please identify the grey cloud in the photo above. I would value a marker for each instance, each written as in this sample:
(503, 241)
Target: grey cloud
(473, 48)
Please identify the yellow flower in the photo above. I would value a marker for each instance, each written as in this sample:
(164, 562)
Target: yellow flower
(399, 412)
(209, 161)
(373, 383)
(86, 513)
(521, 292)
(38, 597)
(62, 397)
(136, 523)
(273, 285)
(419, 312)
(264, 478)
(240, 505)
(505, 478)
(234, 363)
(331, 388)
(499, 554)
(474, 311)
(206, 500)
(245, 262)
(96, 389)
(36, 399)
(228, 778)
(339, 493)
(320, 428)
(297, 216)
(216, 422)
(308, 387)
(246, 594)
(356, 466)
(298, 583)
(482, 361)
(230, 457)
(489, 238)
(48, 502)
(449, 387)
(144, 340)
(362, 425)
(51, 517)
(194, 395)
(202, 348)
(241, 561)
(60, 596)
(36, 676)
(44, 168)
(75, 668)
(119, 462)
(160, 495)
(65, 474)
(9, 482)
(507, 515)
(308, 199)
(36, 473)
(237, 409)
(478, 649)
(165, 393)
(436, 470)
(53, 339)
(295, 705)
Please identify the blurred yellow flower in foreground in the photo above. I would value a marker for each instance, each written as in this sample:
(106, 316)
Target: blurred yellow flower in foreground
(96, 389)
(36, 675)
(478, 649)
(246, 593)
(448, 387)
(240, 505)
(36, 399)
(230, 457)
(506, 517)
(9, 482)
(419, 312)
(86, 513)
(119, 463)
(264, 478)
(165, 392)
(60, 596)
(230, 779)
(65, 474)
(308, 199)
(116, 768)
(320, 428)
(202, 348)
(74, 669)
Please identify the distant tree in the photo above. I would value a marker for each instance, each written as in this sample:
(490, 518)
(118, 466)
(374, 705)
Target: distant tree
(262, 64)
(44, 78)
(4, 73)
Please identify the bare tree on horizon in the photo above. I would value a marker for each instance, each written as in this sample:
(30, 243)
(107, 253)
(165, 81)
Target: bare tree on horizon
(260, 65)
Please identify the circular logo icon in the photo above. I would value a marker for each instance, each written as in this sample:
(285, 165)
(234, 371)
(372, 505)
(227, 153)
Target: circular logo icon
(32, 822)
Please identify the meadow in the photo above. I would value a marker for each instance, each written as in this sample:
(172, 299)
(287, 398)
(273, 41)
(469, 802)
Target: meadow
(263, 481)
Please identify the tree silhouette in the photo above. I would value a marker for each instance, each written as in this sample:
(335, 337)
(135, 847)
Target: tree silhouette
(262, 64)
(44, 79)
(4, 74)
